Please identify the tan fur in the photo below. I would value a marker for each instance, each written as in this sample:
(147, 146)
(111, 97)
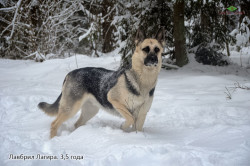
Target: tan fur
(66, 111)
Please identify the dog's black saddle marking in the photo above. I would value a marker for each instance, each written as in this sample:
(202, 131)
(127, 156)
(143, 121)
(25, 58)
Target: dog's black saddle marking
(151, 92)
(130, 86)
(96, 81)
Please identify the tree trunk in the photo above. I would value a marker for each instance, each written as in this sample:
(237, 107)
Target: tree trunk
(107, 28)
(179, 34)
(227, 47)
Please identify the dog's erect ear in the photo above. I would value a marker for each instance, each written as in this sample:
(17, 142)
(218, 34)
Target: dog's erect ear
(140, 36)
(160, 36)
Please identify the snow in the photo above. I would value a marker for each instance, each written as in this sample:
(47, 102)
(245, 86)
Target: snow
(191, 121)
(87, 33)
(3, 2)
(242, 34)
(241, 58)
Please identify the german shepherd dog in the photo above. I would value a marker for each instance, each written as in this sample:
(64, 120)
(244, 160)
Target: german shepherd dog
(127, 92)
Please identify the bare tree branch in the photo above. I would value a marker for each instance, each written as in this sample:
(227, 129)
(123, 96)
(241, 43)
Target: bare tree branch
(14, 19)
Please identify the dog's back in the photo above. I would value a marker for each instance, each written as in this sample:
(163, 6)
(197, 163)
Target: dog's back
(94, 81)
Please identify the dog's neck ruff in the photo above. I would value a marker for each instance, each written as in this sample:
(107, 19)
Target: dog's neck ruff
(144, 78)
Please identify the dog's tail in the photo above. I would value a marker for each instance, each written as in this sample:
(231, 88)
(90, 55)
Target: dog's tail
(50, 109)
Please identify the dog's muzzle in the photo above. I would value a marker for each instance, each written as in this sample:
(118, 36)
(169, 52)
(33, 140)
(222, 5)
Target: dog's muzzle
(151, 60)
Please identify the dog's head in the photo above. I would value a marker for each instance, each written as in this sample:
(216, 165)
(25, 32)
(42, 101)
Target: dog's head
(148, 50)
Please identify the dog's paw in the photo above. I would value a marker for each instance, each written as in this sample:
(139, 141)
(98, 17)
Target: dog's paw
(127, 129)
(124, 127)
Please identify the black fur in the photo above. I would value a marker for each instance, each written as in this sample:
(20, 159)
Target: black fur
(160, 35)
(130, 87)
(151, 59)
(151, 92)
(97, 81)
(140, 36)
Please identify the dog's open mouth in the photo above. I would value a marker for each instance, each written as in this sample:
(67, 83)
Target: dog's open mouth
(151, 64)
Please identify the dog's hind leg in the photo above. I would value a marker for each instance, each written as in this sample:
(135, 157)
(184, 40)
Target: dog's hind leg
(61, 117)
(89, 110)
(67, 109)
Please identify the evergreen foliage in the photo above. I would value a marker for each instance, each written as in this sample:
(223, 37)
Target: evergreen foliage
(39, 29)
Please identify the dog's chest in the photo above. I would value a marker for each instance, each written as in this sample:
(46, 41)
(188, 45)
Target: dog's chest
(134, 102)
(136, 95)
(130, 93)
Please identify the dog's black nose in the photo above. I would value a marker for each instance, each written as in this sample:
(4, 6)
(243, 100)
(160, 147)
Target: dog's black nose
(151, 59)
(154, 59)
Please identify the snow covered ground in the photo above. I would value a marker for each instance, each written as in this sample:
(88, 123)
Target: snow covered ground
(242, 58)
(191, 121)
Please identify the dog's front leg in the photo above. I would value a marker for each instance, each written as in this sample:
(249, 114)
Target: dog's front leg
(124, 113)
(140, 115)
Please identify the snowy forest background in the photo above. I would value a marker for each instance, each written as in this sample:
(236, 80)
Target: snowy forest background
(200, 113)
(44, 29)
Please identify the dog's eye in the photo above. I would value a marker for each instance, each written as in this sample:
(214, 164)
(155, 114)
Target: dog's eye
(146, 49)
(157, 49)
